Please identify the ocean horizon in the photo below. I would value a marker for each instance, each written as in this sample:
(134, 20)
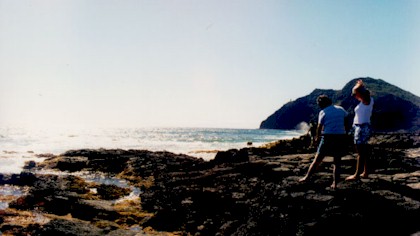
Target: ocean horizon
(19, 145)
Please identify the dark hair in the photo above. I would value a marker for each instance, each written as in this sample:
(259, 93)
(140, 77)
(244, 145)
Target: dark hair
(323, 101)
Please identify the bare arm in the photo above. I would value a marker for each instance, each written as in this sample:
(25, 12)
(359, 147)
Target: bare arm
(319, 132)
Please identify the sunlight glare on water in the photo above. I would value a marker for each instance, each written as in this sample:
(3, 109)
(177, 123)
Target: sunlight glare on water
(18, 145)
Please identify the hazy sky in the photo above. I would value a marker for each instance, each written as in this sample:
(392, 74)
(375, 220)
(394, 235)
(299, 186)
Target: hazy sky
(193, 63)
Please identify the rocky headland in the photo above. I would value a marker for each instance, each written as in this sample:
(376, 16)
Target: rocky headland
(394, 110)
(252, 191)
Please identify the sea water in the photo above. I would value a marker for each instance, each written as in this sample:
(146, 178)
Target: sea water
(18, 145)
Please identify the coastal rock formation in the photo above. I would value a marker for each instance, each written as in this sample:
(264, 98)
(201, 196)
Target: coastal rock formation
(252, 191)
(394, 110)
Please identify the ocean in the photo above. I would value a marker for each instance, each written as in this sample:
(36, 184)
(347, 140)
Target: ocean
(18, 145)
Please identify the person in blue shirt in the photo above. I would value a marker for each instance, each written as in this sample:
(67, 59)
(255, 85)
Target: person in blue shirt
(331, 137)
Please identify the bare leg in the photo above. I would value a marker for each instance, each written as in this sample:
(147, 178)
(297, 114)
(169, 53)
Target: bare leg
(336, 171)
(365, 173)
(314, 165)
(361, 163)
(356, 175)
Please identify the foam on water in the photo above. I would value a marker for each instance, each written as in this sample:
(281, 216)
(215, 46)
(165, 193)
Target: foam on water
(18, 145)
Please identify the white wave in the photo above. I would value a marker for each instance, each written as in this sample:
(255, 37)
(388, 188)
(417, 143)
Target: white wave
(18, 144)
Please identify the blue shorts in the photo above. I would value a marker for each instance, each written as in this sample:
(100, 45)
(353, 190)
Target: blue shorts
(333, 145)
(362, 133)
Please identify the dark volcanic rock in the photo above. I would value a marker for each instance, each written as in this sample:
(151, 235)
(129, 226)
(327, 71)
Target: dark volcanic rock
(70, 228)
(94, 209)
(24, 178)
(117, 160)
(52, 193)
(71, 164)
(231, 156)
(252, 191)
(69, 195)
(263, 197)
(112, 192)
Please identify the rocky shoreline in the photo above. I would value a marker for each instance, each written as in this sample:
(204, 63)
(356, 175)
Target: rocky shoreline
(252, 191)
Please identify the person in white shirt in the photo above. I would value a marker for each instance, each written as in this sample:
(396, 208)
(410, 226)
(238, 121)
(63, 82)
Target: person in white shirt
(362, 128)
(331, 136)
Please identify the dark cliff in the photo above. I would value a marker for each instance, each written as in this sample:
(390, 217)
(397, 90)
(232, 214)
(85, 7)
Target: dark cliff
(394, 109)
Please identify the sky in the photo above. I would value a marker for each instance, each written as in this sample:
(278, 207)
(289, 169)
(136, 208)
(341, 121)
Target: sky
(193, 63)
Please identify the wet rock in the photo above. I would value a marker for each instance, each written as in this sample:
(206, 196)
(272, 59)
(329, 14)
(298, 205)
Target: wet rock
(252, 191)
(91, 209)
(29, 165)
(24, 178)
(55, 194)
(112, 192)
(70, 228)
(263, 197)
(63, 163)
(231, 156)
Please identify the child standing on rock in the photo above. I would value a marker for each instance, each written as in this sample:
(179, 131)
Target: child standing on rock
(330, 136)
(362, 129)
